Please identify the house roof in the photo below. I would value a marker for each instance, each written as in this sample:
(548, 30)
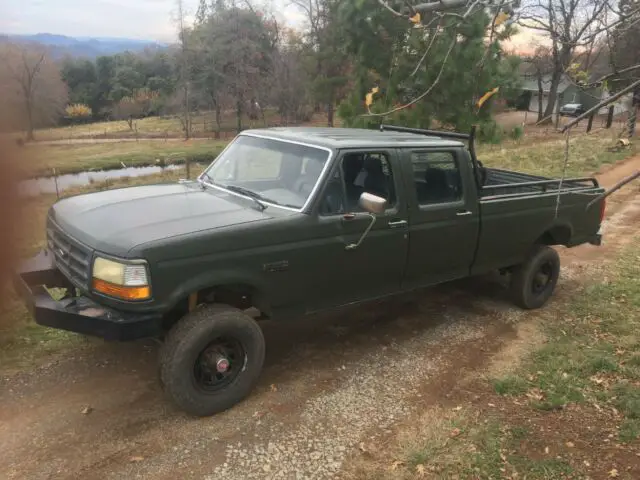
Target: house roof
(530, 83)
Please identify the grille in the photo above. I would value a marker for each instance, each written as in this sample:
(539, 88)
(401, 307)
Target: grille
(73, 258)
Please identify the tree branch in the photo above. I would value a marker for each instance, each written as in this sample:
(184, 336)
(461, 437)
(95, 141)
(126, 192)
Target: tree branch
(416, 100)
(388, 7)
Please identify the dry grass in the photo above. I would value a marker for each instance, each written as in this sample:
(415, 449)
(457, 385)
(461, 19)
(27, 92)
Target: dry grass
(588, 153)
(171, 126)
(74, 158)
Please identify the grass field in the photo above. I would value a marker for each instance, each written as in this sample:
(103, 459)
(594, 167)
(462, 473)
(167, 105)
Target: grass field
(72, 158)
(159, 127)
(544, 157)
(588, 152)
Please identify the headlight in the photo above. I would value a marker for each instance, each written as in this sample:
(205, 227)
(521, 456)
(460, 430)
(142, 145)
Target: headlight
(128, 281)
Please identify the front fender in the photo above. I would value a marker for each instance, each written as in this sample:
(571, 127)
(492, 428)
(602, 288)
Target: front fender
(219, 278)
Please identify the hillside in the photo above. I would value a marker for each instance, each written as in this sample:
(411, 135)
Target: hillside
(62, 45)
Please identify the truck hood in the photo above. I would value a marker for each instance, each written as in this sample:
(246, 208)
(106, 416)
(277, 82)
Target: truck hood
(115, 221)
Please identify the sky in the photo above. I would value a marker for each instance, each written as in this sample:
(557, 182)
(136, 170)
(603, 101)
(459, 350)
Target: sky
(140, 19)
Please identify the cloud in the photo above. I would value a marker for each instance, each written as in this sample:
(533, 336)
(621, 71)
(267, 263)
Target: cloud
(144, 19)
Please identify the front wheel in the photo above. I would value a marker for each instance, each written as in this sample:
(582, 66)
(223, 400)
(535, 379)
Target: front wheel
(211, 359)
(533, 282)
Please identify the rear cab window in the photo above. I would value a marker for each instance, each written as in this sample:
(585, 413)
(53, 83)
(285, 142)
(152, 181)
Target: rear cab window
(436, 177)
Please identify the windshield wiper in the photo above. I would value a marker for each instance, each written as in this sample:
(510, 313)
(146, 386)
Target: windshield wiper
(256, 197)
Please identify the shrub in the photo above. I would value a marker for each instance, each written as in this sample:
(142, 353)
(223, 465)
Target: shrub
(490, 132)
(516, 133)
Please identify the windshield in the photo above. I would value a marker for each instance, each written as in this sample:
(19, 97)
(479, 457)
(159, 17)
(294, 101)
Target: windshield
(268, 170)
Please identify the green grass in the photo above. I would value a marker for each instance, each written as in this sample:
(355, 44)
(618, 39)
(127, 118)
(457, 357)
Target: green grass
(482, 447)
(41, 159)
(588, 153)
(591, 356)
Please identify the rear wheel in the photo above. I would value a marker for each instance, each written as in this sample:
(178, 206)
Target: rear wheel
(533, 282)
(211, 359)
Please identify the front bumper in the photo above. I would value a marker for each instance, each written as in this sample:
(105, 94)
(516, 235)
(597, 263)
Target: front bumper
(78, 314)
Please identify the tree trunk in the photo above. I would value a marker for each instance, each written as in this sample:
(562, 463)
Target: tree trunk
(218, 114)
(330, 114)
(30, 135)
(540, 96)
(631, 124)
(239, 114)
(553, 96)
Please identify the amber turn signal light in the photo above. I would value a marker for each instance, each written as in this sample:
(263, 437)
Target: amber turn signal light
(119, 291)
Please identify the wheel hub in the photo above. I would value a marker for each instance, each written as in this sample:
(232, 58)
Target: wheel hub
(218, 364)
(222, 365)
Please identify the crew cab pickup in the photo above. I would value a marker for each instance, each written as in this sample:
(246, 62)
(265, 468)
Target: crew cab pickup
(290, 222)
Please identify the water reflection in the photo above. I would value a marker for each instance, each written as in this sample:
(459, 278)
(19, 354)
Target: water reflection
(41, 185)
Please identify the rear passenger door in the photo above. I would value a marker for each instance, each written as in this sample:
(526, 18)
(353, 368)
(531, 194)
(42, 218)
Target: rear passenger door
(443, 216)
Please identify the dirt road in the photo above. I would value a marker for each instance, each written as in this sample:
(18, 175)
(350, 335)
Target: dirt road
(327, 385)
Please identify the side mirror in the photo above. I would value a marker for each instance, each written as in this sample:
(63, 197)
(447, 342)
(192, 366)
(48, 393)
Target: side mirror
(373, 205)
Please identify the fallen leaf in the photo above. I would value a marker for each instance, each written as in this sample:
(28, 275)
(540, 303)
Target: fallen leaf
(420, 470)
(274, 388)
(416, 18)
(458, 408)
(546, 450)
(87, 410)
(586, 464)
(569, 444)
(613, 473)
(535, 394)
(396, 464)
(362, 448)
(455, 432)
(136, 459)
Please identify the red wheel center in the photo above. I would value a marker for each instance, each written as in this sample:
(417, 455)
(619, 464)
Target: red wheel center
(222, 365)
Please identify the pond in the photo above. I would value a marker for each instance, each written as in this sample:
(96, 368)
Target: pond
(42, 185)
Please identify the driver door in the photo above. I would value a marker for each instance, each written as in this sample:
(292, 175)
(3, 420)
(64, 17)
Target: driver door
(375, 268)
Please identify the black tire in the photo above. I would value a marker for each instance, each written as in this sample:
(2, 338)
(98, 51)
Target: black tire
(186, 371)
(533, 282)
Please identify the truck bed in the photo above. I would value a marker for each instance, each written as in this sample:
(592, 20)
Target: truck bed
(500, 183)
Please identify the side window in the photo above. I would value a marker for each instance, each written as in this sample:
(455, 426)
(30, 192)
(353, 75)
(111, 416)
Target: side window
(436, 177)
(367, 172)
(359, 172)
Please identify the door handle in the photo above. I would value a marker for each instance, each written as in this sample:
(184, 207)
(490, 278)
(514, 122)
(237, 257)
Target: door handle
(464, 214)
(398, 224)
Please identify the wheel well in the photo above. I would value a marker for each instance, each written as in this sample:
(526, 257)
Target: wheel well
(558, 235)
(238, 295)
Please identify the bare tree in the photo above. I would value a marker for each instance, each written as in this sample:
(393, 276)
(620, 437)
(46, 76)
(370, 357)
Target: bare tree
(184, 80)
(30, 79)
(569, 25)
(541, 65)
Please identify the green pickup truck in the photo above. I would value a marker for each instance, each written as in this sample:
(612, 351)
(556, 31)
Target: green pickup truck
(290, 222)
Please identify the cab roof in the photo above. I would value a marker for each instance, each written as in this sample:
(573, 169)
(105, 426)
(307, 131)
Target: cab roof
(337, 138)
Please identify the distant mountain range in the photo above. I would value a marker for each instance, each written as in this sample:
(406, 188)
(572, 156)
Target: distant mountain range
(62, 45)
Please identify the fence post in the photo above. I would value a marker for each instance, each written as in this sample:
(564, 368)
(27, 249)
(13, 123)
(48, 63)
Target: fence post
(610, 116)
(55, 179)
